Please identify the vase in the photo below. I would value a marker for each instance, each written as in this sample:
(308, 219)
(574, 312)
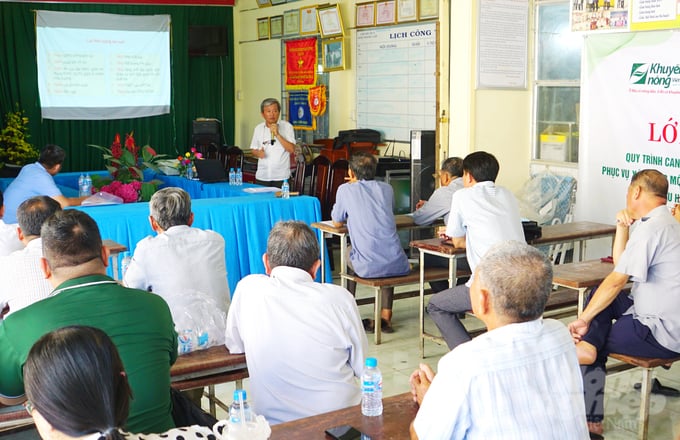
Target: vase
(10, 170)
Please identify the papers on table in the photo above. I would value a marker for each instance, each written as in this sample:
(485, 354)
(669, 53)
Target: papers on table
(261, 189)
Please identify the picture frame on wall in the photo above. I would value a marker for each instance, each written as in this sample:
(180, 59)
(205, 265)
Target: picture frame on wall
(407, 10)
(308, 22)
(428, 9)
(277, 2)
(385, 12)
(263, 28)
(263, 3)
(333, 51)
(330, 21)
(276, 26)
(291, 22)
(365, 14)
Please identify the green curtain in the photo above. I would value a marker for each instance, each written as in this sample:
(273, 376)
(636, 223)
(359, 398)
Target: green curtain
(201, 86)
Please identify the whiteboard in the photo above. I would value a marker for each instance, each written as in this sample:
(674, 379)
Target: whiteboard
(396, 80)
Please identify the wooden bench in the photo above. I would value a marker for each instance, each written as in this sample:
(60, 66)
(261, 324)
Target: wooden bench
(14, 416)
(413, 277)
(647, 365)
(207, 368)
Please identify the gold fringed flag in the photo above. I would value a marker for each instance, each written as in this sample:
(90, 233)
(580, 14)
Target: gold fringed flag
(301, 63)
(317, 100)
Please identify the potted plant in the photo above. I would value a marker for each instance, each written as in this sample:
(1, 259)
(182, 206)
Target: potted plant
(15, 151)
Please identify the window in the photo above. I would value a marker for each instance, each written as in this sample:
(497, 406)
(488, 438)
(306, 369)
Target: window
(557, 84)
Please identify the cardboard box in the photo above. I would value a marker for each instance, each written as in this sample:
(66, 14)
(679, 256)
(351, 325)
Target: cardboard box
(554, 147)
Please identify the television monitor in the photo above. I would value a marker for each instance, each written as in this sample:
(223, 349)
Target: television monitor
(208, 41)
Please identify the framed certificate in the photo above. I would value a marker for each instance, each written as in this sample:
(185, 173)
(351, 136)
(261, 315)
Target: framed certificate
(277, 2)
(333, 54)
(308, 21)
(263, 3)
(276, 26)
(407, 11)
(386, 12)
(330, 21)
(428, 9)
(291, 22)
(263, 28)
(365, 14)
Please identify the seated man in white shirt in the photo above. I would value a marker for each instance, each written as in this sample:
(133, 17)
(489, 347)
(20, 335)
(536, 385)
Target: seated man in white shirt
(22, 281)
(304, 341)
(180, 260)
(9, 242)
(521, 379)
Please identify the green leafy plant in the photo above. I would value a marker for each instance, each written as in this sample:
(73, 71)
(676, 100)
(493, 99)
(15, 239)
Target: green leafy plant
(14, 147)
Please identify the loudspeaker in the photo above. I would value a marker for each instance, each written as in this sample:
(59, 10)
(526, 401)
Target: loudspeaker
(206, 132)
(423, 165)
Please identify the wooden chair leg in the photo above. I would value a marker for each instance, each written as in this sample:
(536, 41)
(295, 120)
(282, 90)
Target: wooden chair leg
(645, 393)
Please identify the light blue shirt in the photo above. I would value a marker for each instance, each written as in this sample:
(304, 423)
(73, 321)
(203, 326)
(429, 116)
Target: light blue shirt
(652, 259)
(366, 206)
(438, 205)
(485, 214)
(33, 180)
(519, 381)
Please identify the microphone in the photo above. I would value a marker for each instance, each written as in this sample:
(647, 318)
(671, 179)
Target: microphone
(273, 140)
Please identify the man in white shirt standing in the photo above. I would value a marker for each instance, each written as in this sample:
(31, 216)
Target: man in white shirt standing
(521, 379)
(180, 259)
(304, 341)
(9, 242)
(273, 142)
(22, 281)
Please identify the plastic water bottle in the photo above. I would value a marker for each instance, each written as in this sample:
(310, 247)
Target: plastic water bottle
(124, 263)
(185, 341)
(190, 171)
(285, 190)
(239, 176)
(371, 389)
(232, 177)
(239, 413)
(81, 185)
(87, 185)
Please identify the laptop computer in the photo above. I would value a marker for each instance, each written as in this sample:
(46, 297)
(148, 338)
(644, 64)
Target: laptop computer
(210, 170)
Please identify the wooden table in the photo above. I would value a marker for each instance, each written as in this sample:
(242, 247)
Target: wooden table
(398, 412)
(114, 249)
(401, 221)
(209, 368)
(581, 276)
(439, 248)
(574, 232)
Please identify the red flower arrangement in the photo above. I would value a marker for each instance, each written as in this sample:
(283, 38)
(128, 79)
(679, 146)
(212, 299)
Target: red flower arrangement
(126, 168)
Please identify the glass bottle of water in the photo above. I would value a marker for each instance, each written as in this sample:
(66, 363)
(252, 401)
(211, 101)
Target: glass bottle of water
(285, 190)
(236, 416)
(371, 389)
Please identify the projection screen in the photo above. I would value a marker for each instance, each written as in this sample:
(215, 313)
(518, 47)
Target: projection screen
(96, 66)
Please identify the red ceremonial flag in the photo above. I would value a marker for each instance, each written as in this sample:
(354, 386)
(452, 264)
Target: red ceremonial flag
(301, 63)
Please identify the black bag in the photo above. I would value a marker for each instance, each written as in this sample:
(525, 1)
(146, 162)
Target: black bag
(346, 137)
(531, 230)
(186, 413)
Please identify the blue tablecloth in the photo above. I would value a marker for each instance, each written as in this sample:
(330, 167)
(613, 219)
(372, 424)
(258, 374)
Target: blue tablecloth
(200, 190)
(244, 222)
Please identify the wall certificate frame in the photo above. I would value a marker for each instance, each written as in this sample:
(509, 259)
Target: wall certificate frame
(407, 10)
(365, 14)
(333, 51)
(263, 3)
(428, 9)
(276, 26)
(386, 12)
(330, 21)
(277, 2)
(291, 22)
(263, 28)
(308, 22)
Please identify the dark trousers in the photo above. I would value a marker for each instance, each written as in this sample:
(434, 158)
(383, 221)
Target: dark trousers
(613, 332)
(272, 183)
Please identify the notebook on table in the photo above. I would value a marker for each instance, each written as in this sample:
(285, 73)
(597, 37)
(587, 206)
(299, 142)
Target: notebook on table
(210, 170)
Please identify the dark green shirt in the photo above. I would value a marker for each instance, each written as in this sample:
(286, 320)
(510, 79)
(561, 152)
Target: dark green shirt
(139, 323)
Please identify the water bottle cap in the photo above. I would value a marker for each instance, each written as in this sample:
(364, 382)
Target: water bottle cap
(241, 394)
(371, 362)
(232, 169)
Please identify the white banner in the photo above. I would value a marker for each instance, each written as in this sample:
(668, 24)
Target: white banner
(630, 114)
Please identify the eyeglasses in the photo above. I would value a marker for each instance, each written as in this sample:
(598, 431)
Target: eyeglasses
(28, 406)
